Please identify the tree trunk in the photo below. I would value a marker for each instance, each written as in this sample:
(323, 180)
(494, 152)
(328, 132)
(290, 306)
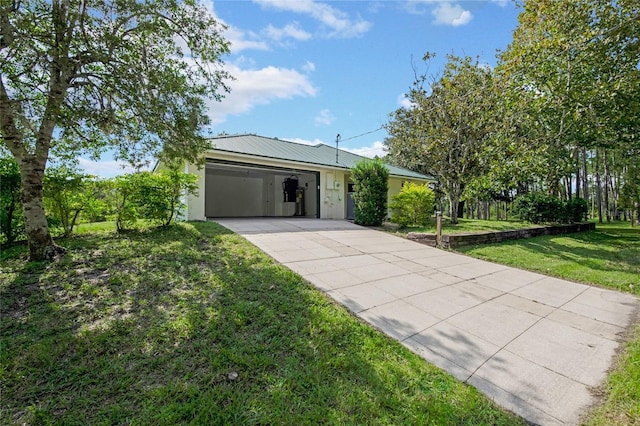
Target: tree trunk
(585, 177)
(598, 187)
(606, 186)
(577, 158)
(460, 211)
(41, 245)
(454, 203)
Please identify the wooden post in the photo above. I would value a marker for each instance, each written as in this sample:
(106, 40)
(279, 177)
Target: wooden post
(438, 229)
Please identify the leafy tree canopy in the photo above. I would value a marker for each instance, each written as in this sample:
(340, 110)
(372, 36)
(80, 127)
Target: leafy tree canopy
(448, 126)
(87, 75)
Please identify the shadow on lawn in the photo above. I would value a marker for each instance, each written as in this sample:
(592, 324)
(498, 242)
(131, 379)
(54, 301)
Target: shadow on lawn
(608, 256)
(191, 324)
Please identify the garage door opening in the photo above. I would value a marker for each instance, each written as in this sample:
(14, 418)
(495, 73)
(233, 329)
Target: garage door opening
(247, 190)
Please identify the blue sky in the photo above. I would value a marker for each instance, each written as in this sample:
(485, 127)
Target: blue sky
(308, 70)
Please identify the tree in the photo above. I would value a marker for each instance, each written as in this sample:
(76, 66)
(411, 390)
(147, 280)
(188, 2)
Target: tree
(83, 76)
(573, 67)
(11, 222)
(447, 127)
(371, 185)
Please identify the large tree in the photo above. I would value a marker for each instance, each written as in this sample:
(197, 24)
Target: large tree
(83, 76)
(449, 124)
(573, 66)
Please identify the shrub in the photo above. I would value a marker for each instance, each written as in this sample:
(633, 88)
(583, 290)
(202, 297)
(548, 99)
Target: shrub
(537, 207)
(66, 194)
(371, 185)
(152, 196)
(160, 194)
(413, 205)
(576, 210)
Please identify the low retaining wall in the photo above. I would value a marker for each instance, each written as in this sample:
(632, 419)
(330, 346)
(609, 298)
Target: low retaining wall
(457, 240)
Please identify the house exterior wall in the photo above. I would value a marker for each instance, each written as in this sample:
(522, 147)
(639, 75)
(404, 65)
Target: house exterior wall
(195, 203)
(333, 187)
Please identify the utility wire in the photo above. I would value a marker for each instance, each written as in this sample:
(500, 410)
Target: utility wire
(362, 134)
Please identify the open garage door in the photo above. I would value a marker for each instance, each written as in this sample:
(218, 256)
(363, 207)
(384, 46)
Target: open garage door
(251, 190)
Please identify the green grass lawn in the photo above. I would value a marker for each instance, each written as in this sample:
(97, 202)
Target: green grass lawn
(468, 225)
(194, 325)
(607, 257)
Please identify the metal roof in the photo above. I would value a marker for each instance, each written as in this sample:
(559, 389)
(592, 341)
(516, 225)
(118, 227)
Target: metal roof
(320, 154)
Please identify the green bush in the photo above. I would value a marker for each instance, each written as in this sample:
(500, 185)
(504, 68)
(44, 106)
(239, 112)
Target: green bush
(160, 194)
(152, 196)
(576, 210)
(371, 185)
(413, 206)
(67, 193)
(538, 207)
(124, 201)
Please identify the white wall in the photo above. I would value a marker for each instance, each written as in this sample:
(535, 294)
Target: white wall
(195, 203)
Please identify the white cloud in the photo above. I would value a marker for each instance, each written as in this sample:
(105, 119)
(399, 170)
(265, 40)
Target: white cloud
(304, 141)
(253, 87)
(416, 7)
(309, 67)
(339, 23)
(445, 12)
(239, 39)
(104, 168)
(371, 151)
(404, 102)
(501, 3)
(243, 40)
(451, 14)
(324, 118)
(289, 31)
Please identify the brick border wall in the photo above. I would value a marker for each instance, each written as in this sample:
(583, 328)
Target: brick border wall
(457, 240)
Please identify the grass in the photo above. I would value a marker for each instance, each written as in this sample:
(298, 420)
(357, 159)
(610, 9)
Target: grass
(193, 325)
(621, 404)
(607, 257)
(467, 225)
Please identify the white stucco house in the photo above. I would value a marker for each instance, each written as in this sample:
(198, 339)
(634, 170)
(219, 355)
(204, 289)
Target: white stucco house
(255, 176)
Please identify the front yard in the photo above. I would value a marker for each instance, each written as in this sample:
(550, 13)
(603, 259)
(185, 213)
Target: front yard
(194, 325)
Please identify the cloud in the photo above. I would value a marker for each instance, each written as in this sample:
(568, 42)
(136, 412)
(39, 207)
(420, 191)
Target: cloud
(451, 14)
(324, 118)
(304, 141)
(376, 149)
(501, 3)
(243, 40)
(339, 23)
(239, 39)
(445, 12)
(289, 31)
(404, 102)
(309, 67)
(253, 87)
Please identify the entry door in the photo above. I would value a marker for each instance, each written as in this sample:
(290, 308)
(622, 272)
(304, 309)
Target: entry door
(351, 207)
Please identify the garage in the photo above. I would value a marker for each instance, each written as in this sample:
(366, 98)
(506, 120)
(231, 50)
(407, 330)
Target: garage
(234, 189)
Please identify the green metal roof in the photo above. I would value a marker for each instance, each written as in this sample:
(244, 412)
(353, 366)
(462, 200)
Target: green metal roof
(320, 154)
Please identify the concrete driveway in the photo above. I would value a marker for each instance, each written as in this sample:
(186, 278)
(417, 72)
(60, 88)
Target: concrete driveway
(534, 344)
